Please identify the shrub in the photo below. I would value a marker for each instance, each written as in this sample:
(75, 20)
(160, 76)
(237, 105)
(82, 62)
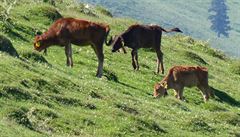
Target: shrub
(217, 53)
(104, 11)
(194, 57)
(80, 7)
(46, 11)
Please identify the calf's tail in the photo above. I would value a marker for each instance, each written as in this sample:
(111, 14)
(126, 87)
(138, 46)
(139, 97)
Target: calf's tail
(171, 30)
(108, 43)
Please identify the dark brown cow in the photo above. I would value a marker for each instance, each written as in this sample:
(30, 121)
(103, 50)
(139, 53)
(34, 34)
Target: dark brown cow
(179, 77)
(142, 36)
(67, 31)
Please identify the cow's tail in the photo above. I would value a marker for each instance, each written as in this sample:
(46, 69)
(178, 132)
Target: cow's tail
(108, 43)
(171, 30)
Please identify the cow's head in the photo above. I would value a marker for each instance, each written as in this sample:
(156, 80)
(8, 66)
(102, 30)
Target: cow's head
(118, 43)
(160, 89)
(39, 44)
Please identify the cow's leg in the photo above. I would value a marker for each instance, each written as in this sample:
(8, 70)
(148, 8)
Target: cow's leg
(68, 52)
(205, 93)
(133, 59)
(99, 52)
(159, 61)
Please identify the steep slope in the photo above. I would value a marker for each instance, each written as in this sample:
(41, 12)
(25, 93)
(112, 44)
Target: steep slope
(39, 96)
(191, 16)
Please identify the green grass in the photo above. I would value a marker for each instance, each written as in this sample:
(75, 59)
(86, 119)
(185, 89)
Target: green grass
(40, 96)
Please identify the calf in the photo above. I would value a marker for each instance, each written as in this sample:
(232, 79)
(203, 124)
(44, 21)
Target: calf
(142, 36)
(67, 31)
(179, 77)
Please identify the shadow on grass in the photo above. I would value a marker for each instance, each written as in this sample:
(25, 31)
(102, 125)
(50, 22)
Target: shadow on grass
(224, 97)
(111, 76)
(17, 35)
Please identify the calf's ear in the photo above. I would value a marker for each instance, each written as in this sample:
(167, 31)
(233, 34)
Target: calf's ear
(38, 32)
(164, 84)
(38, 44)
(122, 44)
(124, 50)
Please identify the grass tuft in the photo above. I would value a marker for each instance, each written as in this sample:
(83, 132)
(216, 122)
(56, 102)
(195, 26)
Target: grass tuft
(194, 57)
(150, 125)
(35, 57)
(45, 11)
(17, 93)
(34, 119)
(6, 46)
(199, 125)
(127, 109)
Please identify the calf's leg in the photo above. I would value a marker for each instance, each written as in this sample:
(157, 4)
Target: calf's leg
(136, 59)
(45, 52)
(159, 62)
(179, 92)
(176, 94)
(68, 52)
(134, 64)
(204, 92)
(99, 52)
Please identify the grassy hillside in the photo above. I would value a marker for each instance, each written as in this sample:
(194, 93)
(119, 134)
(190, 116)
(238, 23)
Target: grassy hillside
(190, 16)
(40, 96)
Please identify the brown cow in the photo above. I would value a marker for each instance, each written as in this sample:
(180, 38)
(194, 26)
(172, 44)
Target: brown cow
(179, 77)
(142, 36)
(67, 31)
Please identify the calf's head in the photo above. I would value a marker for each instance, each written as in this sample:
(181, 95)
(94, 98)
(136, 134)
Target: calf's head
(118, 43)
(38, 43)
(160, 89)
